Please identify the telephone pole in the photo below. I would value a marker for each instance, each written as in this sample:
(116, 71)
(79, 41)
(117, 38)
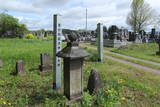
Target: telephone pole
(86, 18)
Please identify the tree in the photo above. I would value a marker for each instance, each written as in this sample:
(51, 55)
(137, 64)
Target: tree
(140, 16)
(9, 23)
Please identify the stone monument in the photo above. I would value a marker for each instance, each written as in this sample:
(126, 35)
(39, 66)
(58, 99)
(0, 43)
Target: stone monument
(45, 62)
(73, 57)
(1, 63)
(20, 67)
(57, 48)
(100, 41)
(158, 42)
(94, 82)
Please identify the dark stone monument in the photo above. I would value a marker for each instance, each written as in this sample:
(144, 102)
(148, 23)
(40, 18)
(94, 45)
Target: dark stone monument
(158, 42)
(94, 82)
(45, 62)
(1, 63)
(73, 57)
(20, 67)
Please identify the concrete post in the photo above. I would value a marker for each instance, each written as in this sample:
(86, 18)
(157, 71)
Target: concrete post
(100, 41)
(57, 48)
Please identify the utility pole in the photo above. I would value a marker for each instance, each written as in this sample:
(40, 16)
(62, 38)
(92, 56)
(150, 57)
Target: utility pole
(86, 18)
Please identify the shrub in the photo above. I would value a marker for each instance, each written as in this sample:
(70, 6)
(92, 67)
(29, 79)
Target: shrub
(30, 36)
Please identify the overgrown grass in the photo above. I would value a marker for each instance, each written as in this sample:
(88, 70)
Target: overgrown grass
(145, 51)
(123, 85)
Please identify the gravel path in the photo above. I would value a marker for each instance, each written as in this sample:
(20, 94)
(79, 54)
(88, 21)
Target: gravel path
(130, 57)
(135, 65)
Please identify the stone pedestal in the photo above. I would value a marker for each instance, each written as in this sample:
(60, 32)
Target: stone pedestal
(73, 78)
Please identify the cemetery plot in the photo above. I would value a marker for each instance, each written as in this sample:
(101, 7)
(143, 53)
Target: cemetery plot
(34, 89)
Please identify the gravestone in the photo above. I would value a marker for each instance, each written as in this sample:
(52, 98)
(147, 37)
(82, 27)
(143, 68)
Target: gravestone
(158, 42)
(45, 62)
(94, 82)
(73, 61)
(1, 63)
(138, 38)
(20, 67)
(57, 48)
(100, 41)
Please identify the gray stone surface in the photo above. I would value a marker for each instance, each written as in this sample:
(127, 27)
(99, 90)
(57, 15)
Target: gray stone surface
(1, 63)
(73, 61)
(57, 47)
(20, 67)
(100, 41)
(45, 62)
(94, 82)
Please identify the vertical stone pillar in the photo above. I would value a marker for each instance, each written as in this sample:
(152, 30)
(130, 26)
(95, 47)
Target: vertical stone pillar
(1, 63)
(20, 67)
(57, 48)
(100, 41)
(45, 62)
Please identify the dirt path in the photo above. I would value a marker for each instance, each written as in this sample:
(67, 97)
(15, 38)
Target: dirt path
(135, 65)
(130, 57)
(131, 63)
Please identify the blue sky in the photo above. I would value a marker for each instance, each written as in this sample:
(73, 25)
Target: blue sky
(38, 14)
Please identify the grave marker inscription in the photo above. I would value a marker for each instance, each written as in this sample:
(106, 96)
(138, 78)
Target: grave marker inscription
(57, 48)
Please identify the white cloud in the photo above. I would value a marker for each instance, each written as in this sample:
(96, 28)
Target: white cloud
(73, 13)
(18, 6)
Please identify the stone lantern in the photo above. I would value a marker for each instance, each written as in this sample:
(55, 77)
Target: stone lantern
(73, 57)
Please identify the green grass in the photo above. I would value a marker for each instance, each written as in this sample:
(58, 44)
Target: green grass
(139, 88)
(145, 51)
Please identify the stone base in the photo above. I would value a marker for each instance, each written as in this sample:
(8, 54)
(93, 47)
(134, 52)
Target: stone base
(45, 68)
(73, 101)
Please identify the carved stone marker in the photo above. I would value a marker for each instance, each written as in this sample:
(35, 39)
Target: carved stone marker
(73, 61)
(57, 48)
(100, 41)
(94, 82)
(1, 63)
(45, 62)
(20, 67)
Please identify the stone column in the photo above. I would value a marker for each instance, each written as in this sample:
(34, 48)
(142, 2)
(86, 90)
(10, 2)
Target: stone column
(57, 48)
(73, 57)
(100, 41)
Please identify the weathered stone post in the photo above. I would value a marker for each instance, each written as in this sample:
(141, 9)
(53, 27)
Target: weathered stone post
(100, 41)
(158, 42)
(20, 68)
(73, 61)
(45, 62)
(1, 63)
(57, 48)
